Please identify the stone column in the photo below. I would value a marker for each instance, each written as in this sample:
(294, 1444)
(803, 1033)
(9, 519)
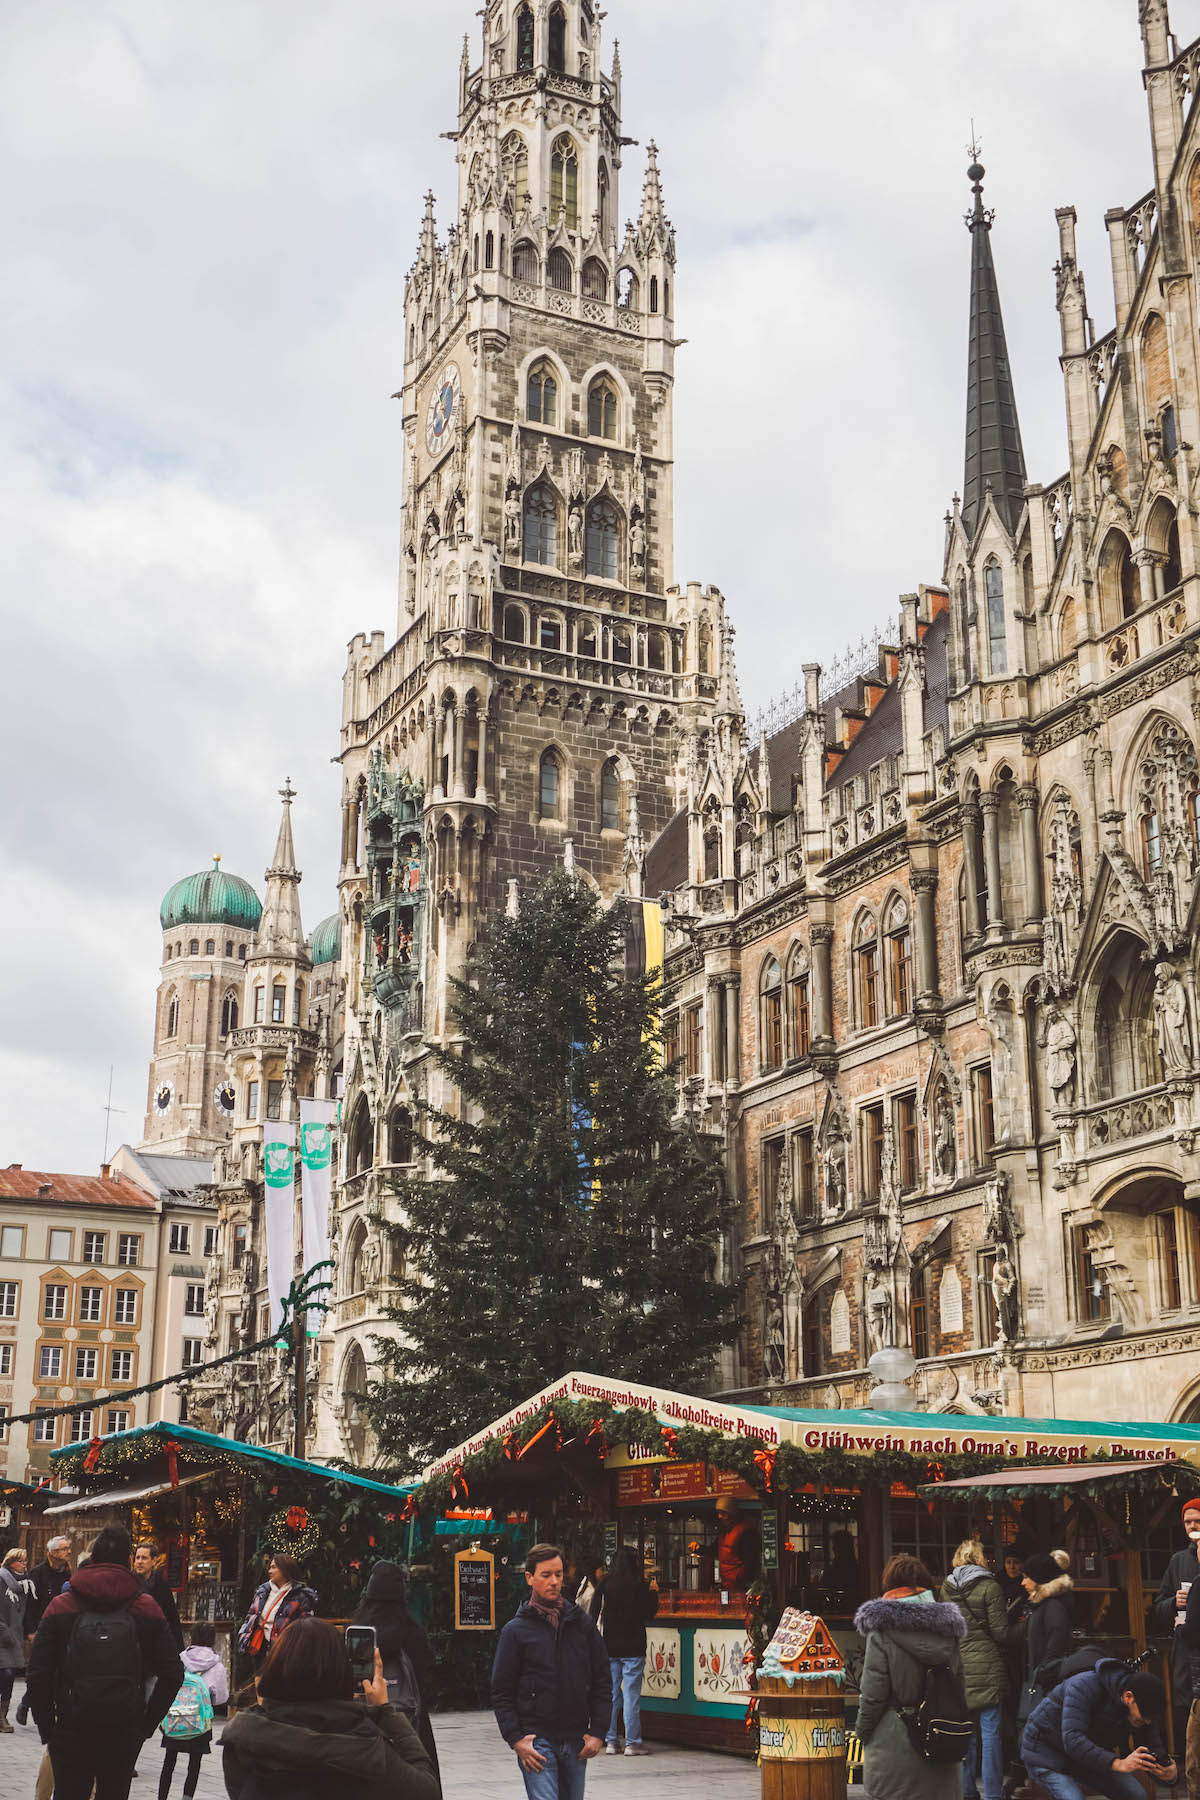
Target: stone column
(481, 775)
(714, 1031)
(459, 767)
(821, 937)
(970, 831)
(1035, 904)
(989, 806)
(1091, 820)
(1146, 560)
(924, 887)
(733, 1061)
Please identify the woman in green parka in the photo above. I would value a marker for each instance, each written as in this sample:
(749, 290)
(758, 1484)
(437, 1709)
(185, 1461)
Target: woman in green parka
(973, 1588)
(907, 1632)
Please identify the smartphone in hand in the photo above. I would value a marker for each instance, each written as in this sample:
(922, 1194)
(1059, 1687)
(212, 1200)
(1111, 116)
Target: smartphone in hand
(360, 1646)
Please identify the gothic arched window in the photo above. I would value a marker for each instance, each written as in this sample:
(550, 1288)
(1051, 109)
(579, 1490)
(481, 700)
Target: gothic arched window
(866, 971)
(899, 936)
(712, 840)
(770, 1025)
(549, 786)
(595, 279)
(558, 40)
(1118, 579)
(603, 203)
(541, 527)
(602, 409)
(622, 650)
(541, 396)
(514, 625)
(362, 1138)
(560, 271)
(525, 38)
(610, 798)
(229, 1014)
(550, 633)
(629, 293)
(527, 264)
(172, 1015)
(654, 293)
(799, 1002)
(564, 184)
(603, 536)
(993, 583)
(489, 250)
(516, 162)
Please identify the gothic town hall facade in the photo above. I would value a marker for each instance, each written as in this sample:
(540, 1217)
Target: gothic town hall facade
(931, 942)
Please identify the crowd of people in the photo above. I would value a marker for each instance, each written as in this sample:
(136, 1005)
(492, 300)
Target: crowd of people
(980, 1685)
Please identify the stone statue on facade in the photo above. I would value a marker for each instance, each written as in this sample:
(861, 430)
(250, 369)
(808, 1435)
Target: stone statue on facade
(1171, 1020)
(835, 1175)
(1006, 1297)
(879, 1313)
(1059, 1039)
(774, 1354)
(945, 1135)
(998, 1223)
(575, 532)
(372, 1263)
(637, 547)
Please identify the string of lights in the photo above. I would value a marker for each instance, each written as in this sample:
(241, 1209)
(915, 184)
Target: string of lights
(303, 1293)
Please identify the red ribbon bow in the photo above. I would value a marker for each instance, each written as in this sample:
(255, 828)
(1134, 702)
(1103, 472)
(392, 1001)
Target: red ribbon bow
(297, 1518)
(669, 1439)
(173, 1449)
(409, 1510)
(596, 1434)
(458, 1480)
(510, 1444)
(764, 1461)
(551, 1424)
(92, 1458)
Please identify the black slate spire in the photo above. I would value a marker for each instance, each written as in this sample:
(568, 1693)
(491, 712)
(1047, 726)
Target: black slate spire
(994, 455)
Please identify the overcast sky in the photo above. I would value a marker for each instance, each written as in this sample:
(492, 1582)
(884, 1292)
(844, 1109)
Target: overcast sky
(209, 212)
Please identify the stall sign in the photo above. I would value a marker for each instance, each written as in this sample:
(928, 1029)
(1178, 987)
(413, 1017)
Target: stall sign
(727, 1481)
(610, 1540)
(683, 1481)
(629, 1456)
(634, 1485)
(474, 1591)
(782, 1739)
(770, 1540)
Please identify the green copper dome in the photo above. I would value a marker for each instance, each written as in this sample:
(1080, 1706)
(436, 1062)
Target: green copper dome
(327, 940)
(211, 898)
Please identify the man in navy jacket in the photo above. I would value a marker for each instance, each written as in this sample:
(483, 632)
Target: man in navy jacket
(551, 1686)
(1075, 1740)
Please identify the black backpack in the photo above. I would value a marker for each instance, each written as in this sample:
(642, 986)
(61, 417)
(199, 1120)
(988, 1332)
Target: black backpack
(102, 1683)
(941, 1728)
(403, 1692)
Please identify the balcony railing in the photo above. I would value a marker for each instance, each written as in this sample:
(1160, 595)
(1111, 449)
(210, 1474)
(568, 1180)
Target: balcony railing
(1135, 1116)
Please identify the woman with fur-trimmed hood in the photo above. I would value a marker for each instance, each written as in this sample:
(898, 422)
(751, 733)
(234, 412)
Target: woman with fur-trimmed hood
(907, 1632)
(1051, 1614)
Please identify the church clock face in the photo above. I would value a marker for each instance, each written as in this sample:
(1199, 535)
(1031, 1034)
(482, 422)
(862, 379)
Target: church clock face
(163, 1097)
(443, 410)
(225, 1096)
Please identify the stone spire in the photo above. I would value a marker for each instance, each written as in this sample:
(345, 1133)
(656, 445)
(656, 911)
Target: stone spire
(427, 247)
(994, 457)
(729, 696)
(280, 932)
(653, 215)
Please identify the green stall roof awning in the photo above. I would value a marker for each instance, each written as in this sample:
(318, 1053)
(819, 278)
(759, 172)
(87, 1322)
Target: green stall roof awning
(124, 1451)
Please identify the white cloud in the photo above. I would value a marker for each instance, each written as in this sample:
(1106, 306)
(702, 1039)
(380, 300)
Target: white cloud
(209, 215)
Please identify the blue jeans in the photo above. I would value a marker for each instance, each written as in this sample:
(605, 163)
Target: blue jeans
(563, 1776)
(1061, 1785)
(993, 1756)
(627, 1672)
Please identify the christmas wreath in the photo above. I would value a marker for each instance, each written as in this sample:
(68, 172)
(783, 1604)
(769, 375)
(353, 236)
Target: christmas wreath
(294, 1531)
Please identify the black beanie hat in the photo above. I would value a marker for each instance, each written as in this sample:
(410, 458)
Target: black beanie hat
(1041, 1567)
(1149, 1693)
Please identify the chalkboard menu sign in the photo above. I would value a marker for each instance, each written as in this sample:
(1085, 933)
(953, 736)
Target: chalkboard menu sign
(474, 1591)
(770, 1539)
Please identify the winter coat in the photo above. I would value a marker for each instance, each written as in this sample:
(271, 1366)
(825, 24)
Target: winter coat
(298, 1603)
(199, 1660)
(14, 1598)
(904, 1638)
(1185, 1643)
(102, 1587)
(160, 1591)
(326, 1747)
(977, 1594)
(628, 1605)
(48, 1584)
(1049, 1622)
(384, 1606)
(554, 1683)
(1082, 1725)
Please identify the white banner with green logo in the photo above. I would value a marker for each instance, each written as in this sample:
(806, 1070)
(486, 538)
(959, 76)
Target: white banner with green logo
(316, 1185)
(279, 1179)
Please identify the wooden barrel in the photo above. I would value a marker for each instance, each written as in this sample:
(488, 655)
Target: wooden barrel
(802, 1740)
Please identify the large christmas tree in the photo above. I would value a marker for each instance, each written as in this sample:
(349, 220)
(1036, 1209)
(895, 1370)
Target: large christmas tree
(571, 1223)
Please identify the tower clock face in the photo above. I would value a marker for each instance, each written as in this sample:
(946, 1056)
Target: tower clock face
(163, 1097)
(226, 1098)
(443, 410)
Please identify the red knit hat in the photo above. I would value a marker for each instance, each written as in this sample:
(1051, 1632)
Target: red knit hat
(1192, 1505)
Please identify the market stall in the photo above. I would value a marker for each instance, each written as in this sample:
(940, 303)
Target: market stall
(738, 1512)
(216, 1509)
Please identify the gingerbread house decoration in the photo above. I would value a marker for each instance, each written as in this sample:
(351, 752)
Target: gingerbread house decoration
(803, 1643)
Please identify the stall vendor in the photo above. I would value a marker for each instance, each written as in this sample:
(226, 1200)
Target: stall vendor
(739, 1546)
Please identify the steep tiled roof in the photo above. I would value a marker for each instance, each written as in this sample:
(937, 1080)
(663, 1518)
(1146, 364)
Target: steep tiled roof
(72, 1190)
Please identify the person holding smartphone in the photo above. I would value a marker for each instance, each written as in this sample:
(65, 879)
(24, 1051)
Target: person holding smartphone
(320, 1729)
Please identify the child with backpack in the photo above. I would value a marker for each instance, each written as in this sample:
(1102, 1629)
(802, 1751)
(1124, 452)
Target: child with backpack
(912, 1715)
(187, 1728)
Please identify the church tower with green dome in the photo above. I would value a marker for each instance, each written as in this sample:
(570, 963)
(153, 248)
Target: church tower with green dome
(209, 921)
